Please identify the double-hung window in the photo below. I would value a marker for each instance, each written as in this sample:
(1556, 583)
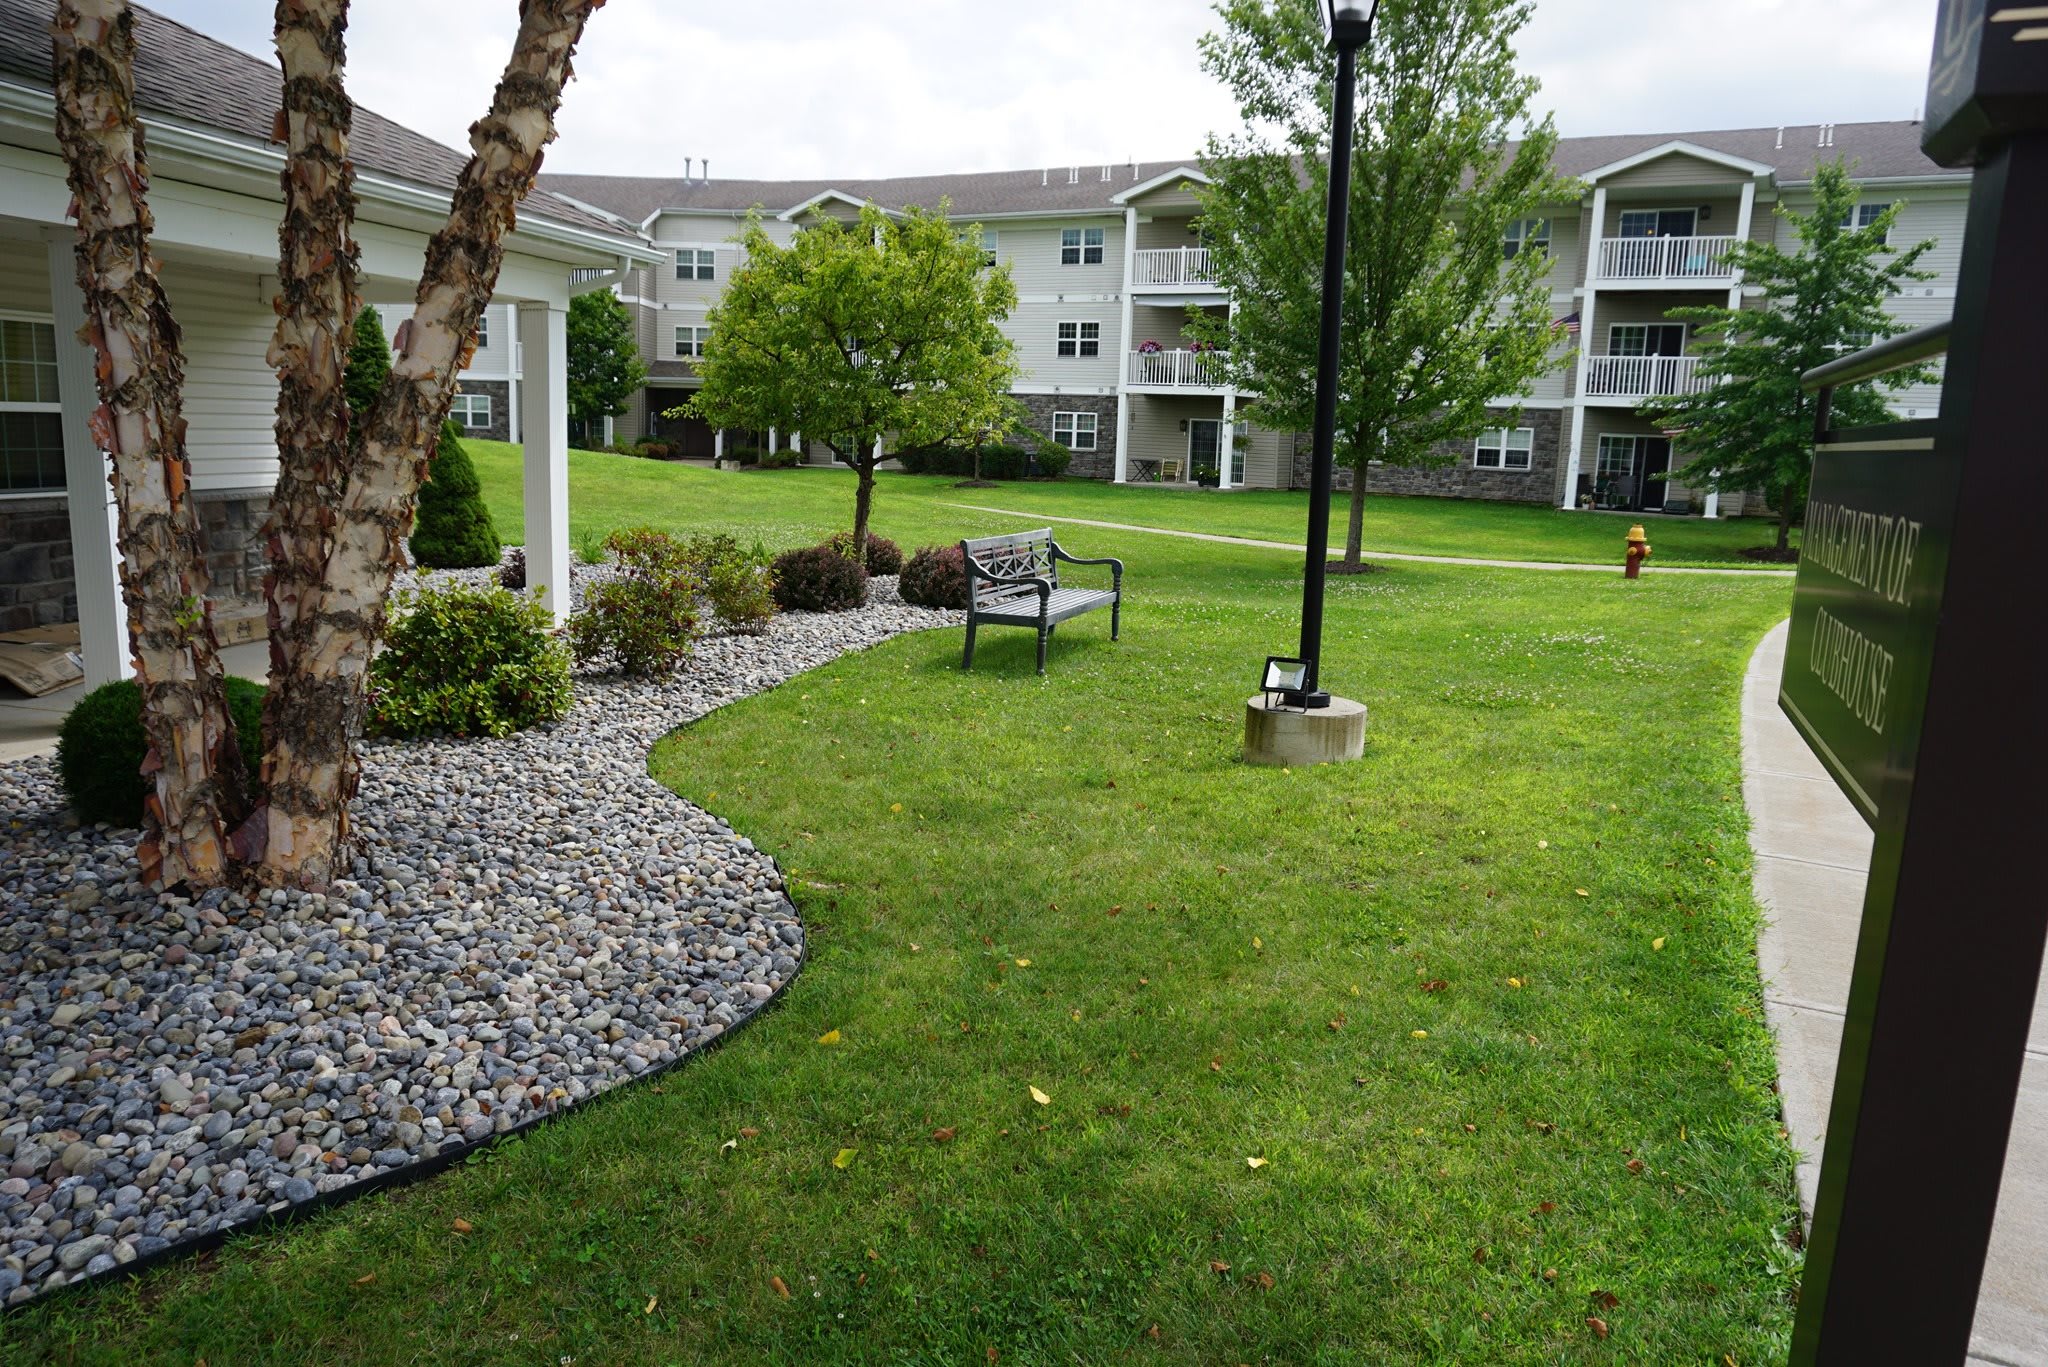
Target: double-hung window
(1525, 235)
(1863, 215)
(695, 263)
(690, 341)
(1080, 246)
(1080, 339)
(1075, 431)
(471, 411)
(31, 422)
(483, 329)
(1503, 448)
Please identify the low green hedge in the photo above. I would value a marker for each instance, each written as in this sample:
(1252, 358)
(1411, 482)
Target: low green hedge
(100, 748)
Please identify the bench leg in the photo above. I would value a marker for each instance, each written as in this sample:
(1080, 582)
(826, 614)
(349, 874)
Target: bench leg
(1116, 614)
(1044, 635)
(967, 656)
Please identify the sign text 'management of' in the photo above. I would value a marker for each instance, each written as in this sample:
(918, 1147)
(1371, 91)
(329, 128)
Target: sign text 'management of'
(1878, 505)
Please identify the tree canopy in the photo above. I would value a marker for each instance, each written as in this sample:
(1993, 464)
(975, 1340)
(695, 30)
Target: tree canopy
(604, 361)
(1441, 318)
(1753, 428)
(854, 331)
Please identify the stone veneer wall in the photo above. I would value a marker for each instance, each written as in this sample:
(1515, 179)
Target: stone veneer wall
(1097, 464)
(500, 428)
(37, 584)
(1540, 483)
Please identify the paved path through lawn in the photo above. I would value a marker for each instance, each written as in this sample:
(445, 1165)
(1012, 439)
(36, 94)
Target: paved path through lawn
(1812, 855)
(1376, 555)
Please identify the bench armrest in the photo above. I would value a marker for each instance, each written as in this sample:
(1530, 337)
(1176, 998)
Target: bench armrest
(1116, 566)
(1042, 585)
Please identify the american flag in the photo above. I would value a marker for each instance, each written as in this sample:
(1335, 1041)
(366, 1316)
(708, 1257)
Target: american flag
(1570, 323)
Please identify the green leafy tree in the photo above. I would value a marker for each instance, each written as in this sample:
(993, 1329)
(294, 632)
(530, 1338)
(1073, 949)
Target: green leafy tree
(855, 330)
(1753, 428)
(1446, 161)
(604, 363)
(453, 530)
(369, 364)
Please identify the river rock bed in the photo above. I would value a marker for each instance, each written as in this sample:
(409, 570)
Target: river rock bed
(531, 921)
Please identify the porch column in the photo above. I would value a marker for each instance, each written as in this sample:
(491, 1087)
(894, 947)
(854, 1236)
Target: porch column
(1123, 432)
(796, 444)
(1228, 444)
(772, 448)
(878, 448)
(718, 446)
(88, 492)
(1712, 507)
(1124, 344)
(1569, 499)
(544, 417)
(1742, 221)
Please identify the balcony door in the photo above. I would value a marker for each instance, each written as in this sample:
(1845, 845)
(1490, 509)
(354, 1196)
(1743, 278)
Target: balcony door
(1205, 443)
(1629, 473)
(1658, 222)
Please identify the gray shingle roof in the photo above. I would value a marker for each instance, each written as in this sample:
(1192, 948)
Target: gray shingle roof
(1874, 149)
(185, 75)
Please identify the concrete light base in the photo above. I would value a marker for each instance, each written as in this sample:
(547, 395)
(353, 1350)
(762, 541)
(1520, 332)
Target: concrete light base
(1282, 735)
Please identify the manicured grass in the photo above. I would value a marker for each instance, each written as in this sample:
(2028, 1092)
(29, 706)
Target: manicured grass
(608, 490)
(1485, 1002)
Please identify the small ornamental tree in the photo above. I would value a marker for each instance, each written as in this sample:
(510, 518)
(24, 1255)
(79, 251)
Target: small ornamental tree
(369, 363)
(453, 529)
(854, 331)
(1439, 319)
(604, 363)
(1753, 429)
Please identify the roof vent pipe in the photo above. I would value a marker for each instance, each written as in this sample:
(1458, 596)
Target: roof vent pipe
(706, 172)
(1134, 170)
(1105, 173)
(686, 167)
(1045, 176)
(1073, 175)
(1781, 137)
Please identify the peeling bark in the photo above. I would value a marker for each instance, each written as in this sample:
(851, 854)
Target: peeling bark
(139, 372)
(316, 307)
(343, 614)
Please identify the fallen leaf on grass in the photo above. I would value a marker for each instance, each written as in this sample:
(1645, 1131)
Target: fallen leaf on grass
(1606, 1300)
(1040, 1097)
(1635, 1165)
(781, 1287)
(1220, 1268)
(1657, 943)
(1418, 1034)
(1514, 982)
(1582, 892)
(1549, 1274)
(1116, 910)
(1479, 1254)
(749, 1133)
(1257, 943)
(1543, 844)
(1255, 1163)
(1597, 1325)
(1435, 985)
(1543, 1208)
(1153, 1333)
(728, 1144)
(942, 1135)
(895, 806)
(652, 1301)
(1265, 1280)
(829, 1037)
(1023, 963)
(1338, 1023)
(366, 1279)
(843, 1157)
(1216, 1064)
(462, 1226)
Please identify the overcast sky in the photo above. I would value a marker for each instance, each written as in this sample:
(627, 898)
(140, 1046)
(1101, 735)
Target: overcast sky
(799, 88)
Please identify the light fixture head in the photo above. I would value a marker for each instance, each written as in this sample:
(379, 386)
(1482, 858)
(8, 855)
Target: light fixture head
(1346, 26)
(1283, 675)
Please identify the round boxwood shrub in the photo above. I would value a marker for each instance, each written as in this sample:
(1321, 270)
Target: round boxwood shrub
(100, 748)
(884, 555)
(453, 529)
(936, 577)
(467, 662)
(1053, 459)
(818, 579)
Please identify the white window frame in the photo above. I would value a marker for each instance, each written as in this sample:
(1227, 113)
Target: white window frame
(703, 263)
(1501, 442)
(699, 335)
(1071, 424)
(1525, 234)
(1864, 214)
(1614, 330)
(465, 410)
(35, 405)
(1085, 240)
(1082, 341)
(1692, 209)
(1601, 445)
(483, 329)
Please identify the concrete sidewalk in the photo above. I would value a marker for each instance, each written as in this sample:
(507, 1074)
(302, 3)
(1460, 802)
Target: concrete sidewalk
(1812, 852)
(28, 726)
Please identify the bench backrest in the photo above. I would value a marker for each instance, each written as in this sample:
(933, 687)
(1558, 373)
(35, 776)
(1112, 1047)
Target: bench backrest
(1020, 555)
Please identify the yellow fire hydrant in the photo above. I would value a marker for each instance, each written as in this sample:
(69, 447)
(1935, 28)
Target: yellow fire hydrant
(1638, 552)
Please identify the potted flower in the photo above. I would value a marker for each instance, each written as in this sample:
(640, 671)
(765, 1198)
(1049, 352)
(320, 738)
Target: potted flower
(1148, 347)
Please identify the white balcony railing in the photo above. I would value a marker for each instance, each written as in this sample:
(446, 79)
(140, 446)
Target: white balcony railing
(1641, 377)
(1701, 259)
(1177, 369)
(1172, 266)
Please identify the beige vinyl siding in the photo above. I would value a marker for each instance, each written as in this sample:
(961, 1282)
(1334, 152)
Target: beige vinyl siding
(495, 360)
(1643, 306)
(25, 278)
(1175, 194)
(1166, 324)
(230, 390)
(1177, 231)
(1264, 457)
(1674, 168)
(1032, 249)
(1155, 428)
(1034, 328)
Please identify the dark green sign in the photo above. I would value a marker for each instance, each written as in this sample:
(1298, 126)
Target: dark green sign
(1987, 79)
(1866, 597)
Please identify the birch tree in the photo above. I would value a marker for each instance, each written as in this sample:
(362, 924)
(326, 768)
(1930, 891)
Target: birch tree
(1438, 321)
(343, 508)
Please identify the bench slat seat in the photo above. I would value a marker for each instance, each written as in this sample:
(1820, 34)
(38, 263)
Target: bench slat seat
(1014, 580)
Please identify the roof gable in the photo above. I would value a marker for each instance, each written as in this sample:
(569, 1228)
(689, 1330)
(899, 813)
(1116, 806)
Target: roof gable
(1164, 180)
(1678, 147)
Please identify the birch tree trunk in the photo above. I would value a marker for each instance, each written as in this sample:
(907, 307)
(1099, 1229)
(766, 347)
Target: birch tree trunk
(343, 614)
(316, 306)
(196, 764)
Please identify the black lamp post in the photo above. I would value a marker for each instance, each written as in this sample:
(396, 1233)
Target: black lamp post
(1349, 29)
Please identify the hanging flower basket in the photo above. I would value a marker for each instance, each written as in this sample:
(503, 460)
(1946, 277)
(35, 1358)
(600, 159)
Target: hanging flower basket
(1149, 347)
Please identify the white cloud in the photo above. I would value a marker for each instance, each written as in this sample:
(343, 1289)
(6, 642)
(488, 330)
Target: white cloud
(904, 87)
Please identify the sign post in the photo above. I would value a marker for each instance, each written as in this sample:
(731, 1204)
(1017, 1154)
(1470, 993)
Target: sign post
(1914, 618)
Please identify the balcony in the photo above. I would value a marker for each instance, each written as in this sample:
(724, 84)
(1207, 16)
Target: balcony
(1642, 377)
(1176, 370)
(1675, 262)
(1172, 268)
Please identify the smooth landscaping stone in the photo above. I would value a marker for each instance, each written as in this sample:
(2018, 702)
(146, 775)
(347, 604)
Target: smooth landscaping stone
(531, 921)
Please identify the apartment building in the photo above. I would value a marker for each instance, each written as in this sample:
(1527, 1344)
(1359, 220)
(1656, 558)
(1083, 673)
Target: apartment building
(1109, 261)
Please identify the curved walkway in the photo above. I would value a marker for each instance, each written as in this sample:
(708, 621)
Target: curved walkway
(1812, 855)
(1376, 555)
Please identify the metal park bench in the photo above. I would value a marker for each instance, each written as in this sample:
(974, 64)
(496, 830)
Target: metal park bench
(1014, 581)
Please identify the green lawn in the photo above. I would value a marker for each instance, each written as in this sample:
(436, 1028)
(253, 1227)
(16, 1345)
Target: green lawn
(1485, 1003)
(784, 506)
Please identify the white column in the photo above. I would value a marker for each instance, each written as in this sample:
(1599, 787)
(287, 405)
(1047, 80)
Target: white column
(1228, 445)
(1569, 499)
(718, 446)
(88, 496)
(878, 448)
(544, 417)
(772, 447)
(1713, 503)
(796, 444)
(1742, 222)
(1123, 346)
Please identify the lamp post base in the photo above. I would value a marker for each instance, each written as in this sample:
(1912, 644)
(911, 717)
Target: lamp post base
(1280, 735)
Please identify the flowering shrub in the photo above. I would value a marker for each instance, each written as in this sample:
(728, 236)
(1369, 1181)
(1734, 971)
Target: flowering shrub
(936, 577)
(646, 617)
(819, 579)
